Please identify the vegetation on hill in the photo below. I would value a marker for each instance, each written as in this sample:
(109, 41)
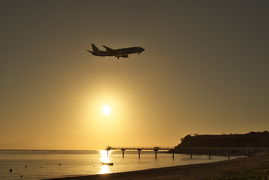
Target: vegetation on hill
(248, 140)
(252, 139)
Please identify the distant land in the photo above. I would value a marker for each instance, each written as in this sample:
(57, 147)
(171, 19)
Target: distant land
(235, 144)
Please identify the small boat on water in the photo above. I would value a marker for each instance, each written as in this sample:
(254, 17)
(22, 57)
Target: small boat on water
(107, 163)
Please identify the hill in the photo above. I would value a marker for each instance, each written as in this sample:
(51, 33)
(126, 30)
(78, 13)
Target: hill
(249, 140)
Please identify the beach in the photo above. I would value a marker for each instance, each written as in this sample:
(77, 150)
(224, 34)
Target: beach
(253, 167)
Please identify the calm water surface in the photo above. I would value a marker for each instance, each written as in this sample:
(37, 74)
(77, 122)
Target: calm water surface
(38, 164)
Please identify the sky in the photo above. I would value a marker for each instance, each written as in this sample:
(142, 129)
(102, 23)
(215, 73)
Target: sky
(204, 71)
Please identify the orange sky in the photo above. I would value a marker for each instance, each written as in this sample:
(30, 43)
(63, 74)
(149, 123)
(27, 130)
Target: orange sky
(205, 70)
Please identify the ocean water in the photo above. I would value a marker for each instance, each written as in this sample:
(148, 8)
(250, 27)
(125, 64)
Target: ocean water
(40, 164)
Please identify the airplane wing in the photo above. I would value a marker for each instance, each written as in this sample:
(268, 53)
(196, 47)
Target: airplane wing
(109, 49)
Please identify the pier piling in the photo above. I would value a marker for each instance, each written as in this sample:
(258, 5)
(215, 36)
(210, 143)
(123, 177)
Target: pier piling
(139, 152)
(107, 149)
(173, 153)
(156, 149)
(228, 155)
(123, 150)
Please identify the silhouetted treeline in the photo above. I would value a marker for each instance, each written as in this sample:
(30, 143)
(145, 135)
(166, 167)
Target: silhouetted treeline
(225, 144)
(252, 139)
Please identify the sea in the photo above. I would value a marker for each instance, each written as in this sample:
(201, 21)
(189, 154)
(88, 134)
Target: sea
(43, 164)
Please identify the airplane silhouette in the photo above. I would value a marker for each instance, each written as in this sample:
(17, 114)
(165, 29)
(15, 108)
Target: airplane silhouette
(124, 52)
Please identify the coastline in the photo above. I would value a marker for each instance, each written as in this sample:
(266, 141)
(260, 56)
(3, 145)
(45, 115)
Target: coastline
(257, 165)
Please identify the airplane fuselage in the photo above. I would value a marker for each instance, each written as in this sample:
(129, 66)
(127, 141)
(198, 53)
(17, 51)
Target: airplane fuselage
(123, 52)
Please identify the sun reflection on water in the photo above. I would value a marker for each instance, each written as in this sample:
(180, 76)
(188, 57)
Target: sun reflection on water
(105, 159)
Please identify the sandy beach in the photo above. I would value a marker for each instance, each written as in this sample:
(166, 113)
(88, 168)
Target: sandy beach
(245, 167)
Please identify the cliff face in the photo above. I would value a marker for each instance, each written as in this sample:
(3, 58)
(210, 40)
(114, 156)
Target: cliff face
(252, 139)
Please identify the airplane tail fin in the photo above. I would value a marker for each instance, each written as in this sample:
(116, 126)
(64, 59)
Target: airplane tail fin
(94, 48)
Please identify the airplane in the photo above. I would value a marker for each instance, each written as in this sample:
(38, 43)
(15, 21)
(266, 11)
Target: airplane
(124, 52)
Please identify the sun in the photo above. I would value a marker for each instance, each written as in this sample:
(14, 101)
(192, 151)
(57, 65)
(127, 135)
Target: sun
(106, 109)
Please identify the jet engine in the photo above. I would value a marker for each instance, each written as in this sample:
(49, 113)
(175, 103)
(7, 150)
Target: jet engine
(124, 56)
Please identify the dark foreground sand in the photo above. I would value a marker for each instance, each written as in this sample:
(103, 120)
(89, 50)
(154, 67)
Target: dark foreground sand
(256, 167)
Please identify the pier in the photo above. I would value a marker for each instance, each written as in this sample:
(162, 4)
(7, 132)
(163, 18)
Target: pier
(155, 149)
(219, 151)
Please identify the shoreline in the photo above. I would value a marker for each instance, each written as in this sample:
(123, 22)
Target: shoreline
(190, 172)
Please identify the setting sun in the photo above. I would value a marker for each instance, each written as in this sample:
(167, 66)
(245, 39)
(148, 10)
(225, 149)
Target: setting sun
(106, 109)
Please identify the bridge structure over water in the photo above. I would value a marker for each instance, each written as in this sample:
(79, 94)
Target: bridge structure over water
(225, 151)
(155, 149)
